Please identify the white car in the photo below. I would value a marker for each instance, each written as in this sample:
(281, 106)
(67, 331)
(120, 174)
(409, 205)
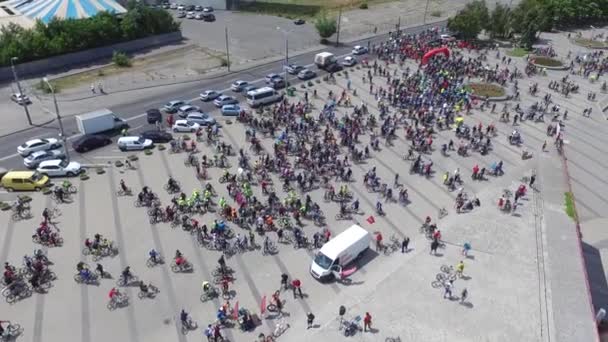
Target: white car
(173, 6)
(20, 98)
(270, 77)
(190, 15)
(38, 145)
(133, 143)
(36, 158)
(59, 168)
(239, 85)
(349, 61)
(185, 126)
(184, 110)
(201, 119)
(224, 100)
(209, 95)
(181, 7)
(359, 50)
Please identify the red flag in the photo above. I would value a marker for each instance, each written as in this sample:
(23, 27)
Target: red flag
(263, 305)
(235, 314)
(370, 220)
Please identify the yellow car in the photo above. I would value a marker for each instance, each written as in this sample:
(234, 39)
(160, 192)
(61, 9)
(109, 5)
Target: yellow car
(24, 180)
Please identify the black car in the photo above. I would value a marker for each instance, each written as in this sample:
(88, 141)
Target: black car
(90, 142)
(157, 136)
(334, 67)
(299, 22)
(190, 8)
(208, 17)
(154, 115)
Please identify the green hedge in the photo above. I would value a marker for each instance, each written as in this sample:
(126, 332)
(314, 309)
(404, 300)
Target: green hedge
(63, 36)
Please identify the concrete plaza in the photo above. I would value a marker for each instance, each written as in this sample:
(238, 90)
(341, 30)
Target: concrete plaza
(525, 277)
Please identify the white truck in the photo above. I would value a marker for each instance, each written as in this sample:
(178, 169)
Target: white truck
(340, 251)
(324, 59)
(99, 121)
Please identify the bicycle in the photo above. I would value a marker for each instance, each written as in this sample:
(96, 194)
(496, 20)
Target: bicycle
(124, 192)
(152, 291)
(442, 213)
(11, 332)
(280, 328)
(392, 339)
(393, 246)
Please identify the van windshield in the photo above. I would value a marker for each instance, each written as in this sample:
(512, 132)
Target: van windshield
(36, 176)
(323, 261)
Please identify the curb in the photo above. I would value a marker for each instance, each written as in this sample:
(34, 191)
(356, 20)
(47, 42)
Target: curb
(28, 128)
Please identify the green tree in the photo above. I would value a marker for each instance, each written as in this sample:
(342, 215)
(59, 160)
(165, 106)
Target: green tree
(466, 23)
(499, 24)
(326, 26)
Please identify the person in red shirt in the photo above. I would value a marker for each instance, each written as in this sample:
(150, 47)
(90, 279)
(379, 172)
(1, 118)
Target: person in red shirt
(367, 322)
(378, 241)
(296, 286)
(437, 235)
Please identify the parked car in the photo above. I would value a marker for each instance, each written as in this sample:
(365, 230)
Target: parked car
(172, 106)
(181, 14)
(249, 88)
(201, 119)
(173, 6)
(24, 180)
(306, 74)
(190, 8)
(90, 142)
(239, 85)
(133, 143)
(231, 110)
(181, 7)
(36, 158)
(190, 15)
(207, 9)
(294, 69)
(35, 145)
(208, 16)
(166, 5)
(299, 21)
(224, 100)
(153, 116)
(59, 168)
(277, 83)
(198, 16)
(334, 67)
(185, 126)
(209, 95)
(184, 110)
(359, 50)
(157, 136)
(198, 8)
(20, 98)
(349, 61)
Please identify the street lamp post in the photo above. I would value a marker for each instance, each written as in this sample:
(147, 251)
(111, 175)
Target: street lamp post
(426, 8)
(286, 56)
(24, 103)
(67, 153)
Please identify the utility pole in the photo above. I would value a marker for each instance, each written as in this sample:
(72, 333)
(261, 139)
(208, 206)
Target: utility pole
(24, 103)
(227, 50)
(399, 25)
(425, 11)
(63, 137)
(339, 20)
(286, 60)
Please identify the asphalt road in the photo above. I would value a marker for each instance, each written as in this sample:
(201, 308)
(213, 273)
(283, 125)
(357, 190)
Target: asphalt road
(134, 112)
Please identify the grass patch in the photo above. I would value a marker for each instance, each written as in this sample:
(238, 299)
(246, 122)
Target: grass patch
(518, 52)
(546, 61)
(289, 9)
(45, 87)
(487, 89)
(569, 202)
(436, 14)
(590, 43)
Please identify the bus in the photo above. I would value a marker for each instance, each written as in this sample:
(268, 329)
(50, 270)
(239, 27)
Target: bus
(262, 96)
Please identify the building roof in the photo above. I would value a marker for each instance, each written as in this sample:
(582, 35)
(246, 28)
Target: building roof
(26, 12)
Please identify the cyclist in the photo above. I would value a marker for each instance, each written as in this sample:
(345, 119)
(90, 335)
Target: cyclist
(114, 294)
(267, 244)
(206, 286)
(437, 235)
(46, 215)
(183, 316)
(225, 285)
(66, 184)
(379, 208)
(59, 193)
(179, 258)
(100, 269)
(143, 287)
(355, 205)
(222, 264)
(153, 255)
(466, 248)
(126, 274)
(172, 184)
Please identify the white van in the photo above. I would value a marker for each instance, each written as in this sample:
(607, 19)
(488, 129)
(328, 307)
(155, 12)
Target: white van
(133, 143)
(263, 96)
(339, 252)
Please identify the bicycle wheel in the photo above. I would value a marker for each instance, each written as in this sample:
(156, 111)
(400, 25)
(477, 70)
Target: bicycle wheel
(446, 269)
(437, 284)
(440, 277)
(271, 307)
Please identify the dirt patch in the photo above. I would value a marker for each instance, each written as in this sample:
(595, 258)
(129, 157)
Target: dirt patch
(487, 90)
(546, 61)
(185, 61)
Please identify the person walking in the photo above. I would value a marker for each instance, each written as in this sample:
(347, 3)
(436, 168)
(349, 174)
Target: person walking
(466, 248)
(434, 246)
(367, 322)
(447, 289)
(93, 88)
(463, 295)
(309, 319)
(296, 285)
(544, 146)
(532, 179)
(209, 333)
(404, 244)
(378, 242)
(284, 278)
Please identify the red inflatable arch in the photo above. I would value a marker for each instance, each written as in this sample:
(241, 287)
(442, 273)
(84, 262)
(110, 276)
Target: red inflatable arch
(431, 53)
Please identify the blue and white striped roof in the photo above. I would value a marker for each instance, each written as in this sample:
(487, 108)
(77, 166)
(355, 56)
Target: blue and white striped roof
(45, 10)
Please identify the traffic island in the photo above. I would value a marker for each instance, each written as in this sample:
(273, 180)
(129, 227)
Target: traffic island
(548, 63)
(590, 43)
(488, 91)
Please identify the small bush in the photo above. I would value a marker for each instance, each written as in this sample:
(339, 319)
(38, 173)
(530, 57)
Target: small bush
(161, 147)
(224, 62)
(363, 5)
(148, 152)
(45, 87)
(318, 81)
(121, 59)
(436, 14)
(303, 86)
(310, 84)
(118, 163)
(132, 157)
(84, 177)
(100, 171)
(100, 73)
(186, 137)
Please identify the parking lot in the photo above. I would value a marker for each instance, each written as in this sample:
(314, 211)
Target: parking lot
(502, 271)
